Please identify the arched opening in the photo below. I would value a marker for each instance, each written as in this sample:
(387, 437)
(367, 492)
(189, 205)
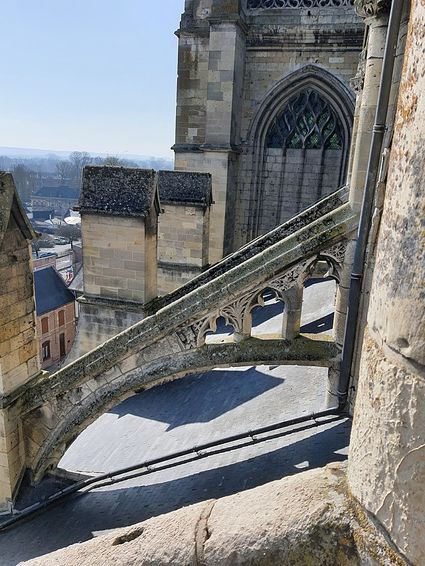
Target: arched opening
(297, 147)
(319, 297)
(267, 315)
(223, 332)
(318, 310)
(304, 158)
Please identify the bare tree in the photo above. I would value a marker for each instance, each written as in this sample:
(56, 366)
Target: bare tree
(25, 181)
(113, 160)
(78, 160)
(70, 231)
(64, 171)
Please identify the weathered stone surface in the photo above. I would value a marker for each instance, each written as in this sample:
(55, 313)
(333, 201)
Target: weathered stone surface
(154, 543)
(297, 521)
(387, 450)
(185, 187)
(146, 347)
(18, 343)
(396, 312)
(118, 190)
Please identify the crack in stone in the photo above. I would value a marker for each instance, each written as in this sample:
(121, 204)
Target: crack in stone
(202, 534)
(128, 537)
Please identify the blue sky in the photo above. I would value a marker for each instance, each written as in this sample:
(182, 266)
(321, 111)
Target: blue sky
(89, 75)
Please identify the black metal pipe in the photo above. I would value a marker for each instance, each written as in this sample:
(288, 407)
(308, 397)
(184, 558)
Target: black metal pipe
(379, 129)
(108, 478)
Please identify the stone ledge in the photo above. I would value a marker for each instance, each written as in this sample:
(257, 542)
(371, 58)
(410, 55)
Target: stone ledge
(308, 518)
(127, 306)
(172, 267)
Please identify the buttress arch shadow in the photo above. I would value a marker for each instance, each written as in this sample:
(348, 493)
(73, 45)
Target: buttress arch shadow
(58, 436)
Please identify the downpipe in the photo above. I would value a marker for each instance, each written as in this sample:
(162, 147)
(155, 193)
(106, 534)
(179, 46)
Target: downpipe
(379, 129)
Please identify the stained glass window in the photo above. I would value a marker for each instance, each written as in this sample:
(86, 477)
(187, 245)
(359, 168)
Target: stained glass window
(307, 122)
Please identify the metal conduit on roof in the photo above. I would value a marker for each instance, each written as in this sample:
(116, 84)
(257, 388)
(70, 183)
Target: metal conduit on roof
(166, 462)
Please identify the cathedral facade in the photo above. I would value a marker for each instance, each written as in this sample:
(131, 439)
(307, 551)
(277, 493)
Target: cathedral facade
(265, 103)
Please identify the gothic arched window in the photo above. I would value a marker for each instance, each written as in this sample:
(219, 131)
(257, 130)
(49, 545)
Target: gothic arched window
(307, 122)
(303, 157)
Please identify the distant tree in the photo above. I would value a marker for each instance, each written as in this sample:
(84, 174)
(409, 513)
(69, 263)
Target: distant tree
(64, 171)
(5, 163)
(26, 181)
(115, 161)
(70, 231)
(78, 160)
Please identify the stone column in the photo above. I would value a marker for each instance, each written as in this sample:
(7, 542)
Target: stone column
(387, 451)
(376, 18)
(219, 151)
(292, 313)
(224, 104)
(366, 83)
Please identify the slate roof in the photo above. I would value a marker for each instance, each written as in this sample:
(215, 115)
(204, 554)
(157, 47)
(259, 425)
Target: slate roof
(50, 291)
(121, 191)
(185, 187)
(70, 193)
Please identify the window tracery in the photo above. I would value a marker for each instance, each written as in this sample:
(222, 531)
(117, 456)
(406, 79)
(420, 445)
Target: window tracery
(307, 122)
(265, 4)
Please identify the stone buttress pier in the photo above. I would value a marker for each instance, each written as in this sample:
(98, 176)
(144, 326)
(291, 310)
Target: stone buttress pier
(119, 214)
(183, 233)
(19, 361)
(387, 451)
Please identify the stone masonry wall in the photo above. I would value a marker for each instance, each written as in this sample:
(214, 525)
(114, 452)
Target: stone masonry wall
(387, 451)
(100, 321)
(18, 349)
(114, 257)
(182, 245)
(17, 324)
(286, 190)
(328, 38)
(230, 59)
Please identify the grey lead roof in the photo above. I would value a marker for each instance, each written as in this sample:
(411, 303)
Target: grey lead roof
(121, 191)
(185, 187)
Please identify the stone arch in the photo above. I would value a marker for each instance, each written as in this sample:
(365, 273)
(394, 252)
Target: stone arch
(59, 421)
(308, 78)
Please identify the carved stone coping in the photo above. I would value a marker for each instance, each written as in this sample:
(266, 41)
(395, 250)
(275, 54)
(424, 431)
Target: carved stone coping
(296, 4)
(372, 8)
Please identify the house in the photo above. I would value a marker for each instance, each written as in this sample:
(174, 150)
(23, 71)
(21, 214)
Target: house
(61, 199)
(55, 310)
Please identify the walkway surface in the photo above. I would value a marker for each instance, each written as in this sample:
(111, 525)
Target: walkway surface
(187, 413)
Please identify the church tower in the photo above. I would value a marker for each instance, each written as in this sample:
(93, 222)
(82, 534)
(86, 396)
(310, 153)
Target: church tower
(265, 104)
